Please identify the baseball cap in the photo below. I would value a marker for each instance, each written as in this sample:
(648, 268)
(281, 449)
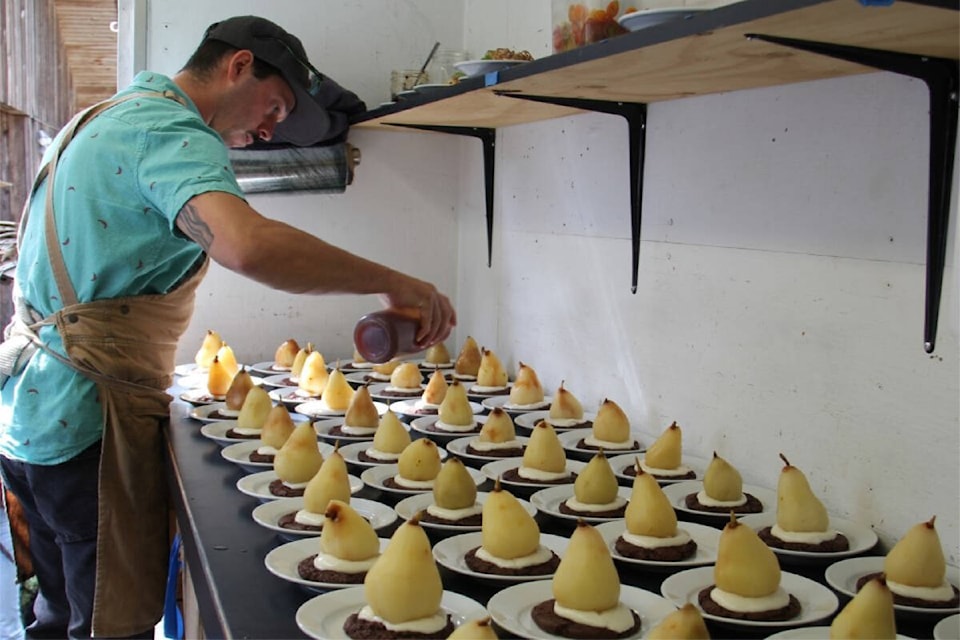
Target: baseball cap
(309, 122)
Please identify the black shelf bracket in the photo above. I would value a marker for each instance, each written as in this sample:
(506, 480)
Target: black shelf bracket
(636, 116)
(942, 78)
(488, 136)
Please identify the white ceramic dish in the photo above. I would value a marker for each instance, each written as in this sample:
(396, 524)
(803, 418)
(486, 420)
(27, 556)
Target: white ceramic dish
(351, 453)
(421, 425)
(422, 362)
(458, 448)
(646, 18)
(861, 537)
(376, 390)
(678, 491)
(843, 576)
(319, 409)
(187, 368)
(483, 67)
(360, 378)
(480, 397)
(948, 628)
(268, 514)
(497, 468)
(239, 454)
(817, 602)
(203, 412)
(282, 562)
(199, 396)
(450, 553)
(194, 381)
(324, 426)
(511, 608)
(291, 397)
(279, 381)
(621, 462)
(268, 368)
(494, 402)
(706, 537)
(814, 633)
(217, 431)
(411, 506)
(549, 500)
(571, 437)
(322, 617)
(257, 485)
(409, 408)
(375, 476)
(530, 419)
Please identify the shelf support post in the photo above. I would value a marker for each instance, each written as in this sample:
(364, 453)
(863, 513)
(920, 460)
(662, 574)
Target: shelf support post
(635, 114)
(941, 77)
(488, 136)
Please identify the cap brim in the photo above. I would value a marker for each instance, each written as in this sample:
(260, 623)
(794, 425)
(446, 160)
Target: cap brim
(308, 123)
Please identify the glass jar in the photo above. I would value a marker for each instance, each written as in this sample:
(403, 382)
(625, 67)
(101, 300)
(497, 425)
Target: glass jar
(441, 68)
(578, 23)
(382, 335)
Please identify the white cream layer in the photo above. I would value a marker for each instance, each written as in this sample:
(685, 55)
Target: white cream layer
(478, 388)
(565, 422)
(327, 562)
(303, 393)
(267, 450)
(464, 376)
(682, 470)
(382, 455)
(361, 365)
(233, 413)
(618, 619)
(421, 625)
(707, 501)
(576, 505)
(538, 474)
(481, 445)
(412, 484)
(608, 444)
(295, 485)
(803, 537)
(437, 365)
(376, 375)
(279, 367)
(422, 404)
(525, 406)
(351, 430)
(247, 431)
(936, 594)
(541, 555)
(454, 514)
(446, 426)
(393, 389)
(650, 542)
(746, 604)
(308, 518)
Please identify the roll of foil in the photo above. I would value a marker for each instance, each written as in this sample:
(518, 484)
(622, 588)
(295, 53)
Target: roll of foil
(326, 169)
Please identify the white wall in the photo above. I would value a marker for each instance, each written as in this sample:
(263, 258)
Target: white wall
(781, 285)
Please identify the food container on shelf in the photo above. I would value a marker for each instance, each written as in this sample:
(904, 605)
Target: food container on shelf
(579, 23)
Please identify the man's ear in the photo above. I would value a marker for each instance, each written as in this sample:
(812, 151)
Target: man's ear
(239, 63)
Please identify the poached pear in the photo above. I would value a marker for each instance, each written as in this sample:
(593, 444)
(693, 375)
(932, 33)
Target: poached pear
(666, 451)
(346, 534)
(508, 531)
(745, 565)
(299, 459)
(454, 487)
(468, 360)
(208, 349)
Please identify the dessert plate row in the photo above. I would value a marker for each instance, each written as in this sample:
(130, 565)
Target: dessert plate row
(217, 412)
(196, 393)
(376, 476)
(326, 426)
(351, 453)
(530, 419)
(707, 539)
(268, 514)
(861, 537)
(257, 485)
(412, 505)
(450, 553)
(458, 447)
(623, 463)
(678, 492)
(817, 602)
(412, 408)
(571, 443)
(323, 616)
(503, 402)
(423, 425)
(218, 430)
(282, 562)
(549, 500)
(239, 454)
(319, 409)
(843, 577)
(498, 468)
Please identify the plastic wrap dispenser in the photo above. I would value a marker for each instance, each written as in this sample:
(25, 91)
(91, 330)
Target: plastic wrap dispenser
(323, 169)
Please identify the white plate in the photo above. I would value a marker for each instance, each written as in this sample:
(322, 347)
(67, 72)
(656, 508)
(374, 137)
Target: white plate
(948, 628)
(409, 408)
(549, 500)
(409, 507)
(482, 67)
(351, 453)
(291, 397)
(376, 392)
(217, 431)
(450, 553)
(257, 485)
(501, 401)
(620, 464)
(360, 378)
(817, 602)
(843, 576)
(319, 409)
(480, 397)
(458, 448)
(268, 368)
(571, 437)
(279, 381)
(496, 469)
(815, 633)
(322, 617)
(375, 476)
(706, 537)
(645, 18)
(282, 562)
(678, 491)
(323, 428)
(511, 608)
(421, 424)
(239, 454)
(268, 514)
(530, 419)
(199, 396)
(861, 537)
(203, 412)
(422, 363)
(194, 381)
(188, 368)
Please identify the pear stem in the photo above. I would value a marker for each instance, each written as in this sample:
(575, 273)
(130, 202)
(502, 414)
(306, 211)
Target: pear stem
(784, 458)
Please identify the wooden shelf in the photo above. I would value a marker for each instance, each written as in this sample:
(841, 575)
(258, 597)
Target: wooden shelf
(708, 53)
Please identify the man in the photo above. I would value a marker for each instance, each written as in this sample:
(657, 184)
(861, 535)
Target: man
(141, 195)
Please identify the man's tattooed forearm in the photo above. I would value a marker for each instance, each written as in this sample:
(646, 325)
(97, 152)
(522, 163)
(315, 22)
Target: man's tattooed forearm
(195, 227)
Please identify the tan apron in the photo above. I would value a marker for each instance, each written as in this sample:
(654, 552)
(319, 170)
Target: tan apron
(128, 347)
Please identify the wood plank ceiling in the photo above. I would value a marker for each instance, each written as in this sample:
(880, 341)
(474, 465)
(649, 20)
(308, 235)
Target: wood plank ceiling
(91, 48)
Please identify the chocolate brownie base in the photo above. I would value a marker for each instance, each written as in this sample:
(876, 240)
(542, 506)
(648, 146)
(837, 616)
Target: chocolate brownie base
(338, 432)
(433, 428)
(262, 457)
(497, 453)
(392, 484)
(631, 470)
(427, 411)
(365, 458)
(281, 490)
(586, 424)
(232, 433)
(839, 543)
(752, 505)
(489, 394)
(482, 566)
(309, 571)
(412, 393)
(360, 629)
(513, 475)
(915, 602)
(609, 513)
(474, 520)
(550, 622)
(792, 610)
(582, 444)
(289, 521)
(658, 554)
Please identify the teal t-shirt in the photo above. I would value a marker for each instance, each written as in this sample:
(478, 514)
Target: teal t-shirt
(118, 189)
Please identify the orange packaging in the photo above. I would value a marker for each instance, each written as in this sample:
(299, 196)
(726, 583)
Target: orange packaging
(576, 24)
